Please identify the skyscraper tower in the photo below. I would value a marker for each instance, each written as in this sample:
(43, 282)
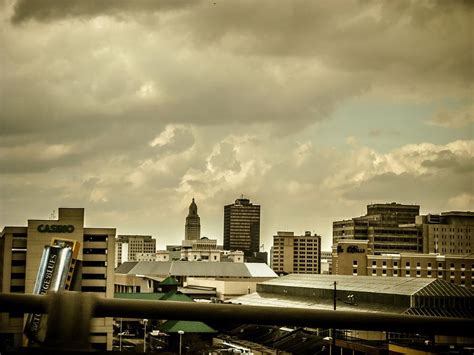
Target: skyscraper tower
(193, 223)
(242, 226)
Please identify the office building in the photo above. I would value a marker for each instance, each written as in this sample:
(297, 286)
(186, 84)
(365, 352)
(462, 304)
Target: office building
(193, 223)
(296, 254)
(242, 227)
(354, 258)
(22, 250)
(389, 228)
(127, 246)
(448, 233)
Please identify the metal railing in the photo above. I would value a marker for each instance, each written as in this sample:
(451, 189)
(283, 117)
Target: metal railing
(70, 314)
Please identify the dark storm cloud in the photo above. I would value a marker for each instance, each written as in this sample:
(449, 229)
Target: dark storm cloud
(447, 160)
(124, 107)
(50, 10)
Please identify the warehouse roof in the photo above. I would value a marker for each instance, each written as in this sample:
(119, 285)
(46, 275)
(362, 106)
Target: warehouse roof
(196, 269)
(388, 285)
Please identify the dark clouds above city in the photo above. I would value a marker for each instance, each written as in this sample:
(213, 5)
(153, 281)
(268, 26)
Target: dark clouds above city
(310, 108)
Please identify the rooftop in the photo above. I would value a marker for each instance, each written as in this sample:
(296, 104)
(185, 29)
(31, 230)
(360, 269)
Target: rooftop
(197, 269)
(387, 285)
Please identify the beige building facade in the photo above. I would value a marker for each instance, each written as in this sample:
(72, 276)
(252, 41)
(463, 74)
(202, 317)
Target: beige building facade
(21, 250)
(296, 254)
(447, 233)
(127, 247)
(354, 258)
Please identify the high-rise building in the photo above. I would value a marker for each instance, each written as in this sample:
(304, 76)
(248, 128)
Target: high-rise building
(193, 223)
(22, 249)
(389, 228)
(127, 246)
(242, 227)
(296, 254)
(449, 233)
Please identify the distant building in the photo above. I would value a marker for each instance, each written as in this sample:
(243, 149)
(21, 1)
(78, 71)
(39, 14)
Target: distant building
(229, 278)
(193, 223)
(145, 256)
(389, 228)
(296, 254)
(449, 233)
(203, 249)
(21, 250)
(127, 246)
(326, 262)
(242, 227)
(354, 259)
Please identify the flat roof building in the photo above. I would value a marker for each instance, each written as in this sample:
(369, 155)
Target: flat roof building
(127, 247)
(242, 227)
(413, 296)
(21, 250)
(389, 228)
(299, 254)
(447, 233)
(354, 258)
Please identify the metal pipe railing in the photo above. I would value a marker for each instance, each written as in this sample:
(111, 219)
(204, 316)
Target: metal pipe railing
(57, 304)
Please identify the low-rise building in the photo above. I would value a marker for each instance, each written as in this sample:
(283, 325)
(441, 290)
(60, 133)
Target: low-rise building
(414, 296)
(299, 254)
(127, 247)
(229, 279)
(355, 258)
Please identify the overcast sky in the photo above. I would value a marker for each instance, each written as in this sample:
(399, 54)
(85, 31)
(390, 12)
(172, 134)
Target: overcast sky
(312, 109)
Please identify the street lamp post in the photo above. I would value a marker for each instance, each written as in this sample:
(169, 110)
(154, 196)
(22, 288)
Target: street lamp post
(145, 321)
(180, 332)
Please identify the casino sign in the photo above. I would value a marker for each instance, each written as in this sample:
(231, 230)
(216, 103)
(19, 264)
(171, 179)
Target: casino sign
(55, 228)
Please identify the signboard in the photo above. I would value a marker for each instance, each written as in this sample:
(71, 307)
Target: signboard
(55, 228)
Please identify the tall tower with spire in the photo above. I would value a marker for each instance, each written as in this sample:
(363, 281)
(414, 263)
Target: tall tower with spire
(193, 223)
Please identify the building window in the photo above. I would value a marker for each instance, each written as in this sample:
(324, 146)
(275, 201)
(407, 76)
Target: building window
(374, 272)
(374, 263)
(395, 272)
(395, 263)
(384, 263)
(407, 264)
(384, 272)
(354, 272)
(429, 264)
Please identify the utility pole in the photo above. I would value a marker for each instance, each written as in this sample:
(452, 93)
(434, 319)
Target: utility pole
(334, 329)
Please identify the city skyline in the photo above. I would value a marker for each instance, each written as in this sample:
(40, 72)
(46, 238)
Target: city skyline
(311, 109)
